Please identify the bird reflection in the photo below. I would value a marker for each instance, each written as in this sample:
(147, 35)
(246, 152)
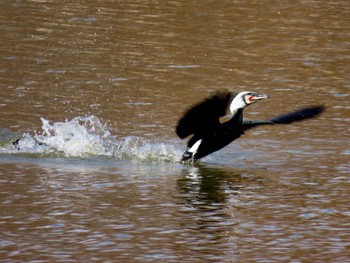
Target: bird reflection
(208, 197)
(209, 185)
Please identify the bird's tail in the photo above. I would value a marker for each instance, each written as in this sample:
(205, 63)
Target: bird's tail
(298, 115)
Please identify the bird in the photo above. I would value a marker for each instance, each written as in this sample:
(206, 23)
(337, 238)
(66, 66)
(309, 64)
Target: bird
(209, 134)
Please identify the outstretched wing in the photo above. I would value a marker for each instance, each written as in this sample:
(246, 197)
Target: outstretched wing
(298, 115)
(204, 116)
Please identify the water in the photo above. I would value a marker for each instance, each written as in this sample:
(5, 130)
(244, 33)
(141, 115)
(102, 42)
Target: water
(95, 90)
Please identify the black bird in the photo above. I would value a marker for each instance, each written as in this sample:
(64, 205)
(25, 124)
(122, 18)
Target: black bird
(210, 135)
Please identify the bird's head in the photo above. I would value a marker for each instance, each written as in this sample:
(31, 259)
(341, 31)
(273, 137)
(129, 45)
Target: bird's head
(243, 99)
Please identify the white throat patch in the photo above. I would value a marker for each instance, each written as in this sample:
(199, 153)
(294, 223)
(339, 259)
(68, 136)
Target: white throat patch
(238, 102)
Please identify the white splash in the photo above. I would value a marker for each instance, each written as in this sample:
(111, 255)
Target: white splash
(86, 136)
(79, 137)
(137, 148)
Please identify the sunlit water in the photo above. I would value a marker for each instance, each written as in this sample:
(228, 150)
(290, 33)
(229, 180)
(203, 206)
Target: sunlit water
(94, 91)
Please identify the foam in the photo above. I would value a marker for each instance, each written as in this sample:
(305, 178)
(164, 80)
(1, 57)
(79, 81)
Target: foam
(86, 137)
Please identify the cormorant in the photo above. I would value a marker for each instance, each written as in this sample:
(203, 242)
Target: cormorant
(210, 135)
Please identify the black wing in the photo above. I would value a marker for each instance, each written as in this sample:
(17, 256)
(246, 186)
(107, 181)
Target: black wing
(204, 116)
(298, 115)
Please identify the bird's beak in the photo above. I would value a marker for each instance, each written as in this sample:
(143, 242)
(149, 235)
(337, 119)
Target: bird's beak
(254, 98)
(258, 97)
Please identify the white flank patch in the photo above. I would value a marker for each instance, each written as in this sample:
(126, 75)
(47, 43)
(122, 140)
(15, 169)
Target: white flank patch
(195, 147)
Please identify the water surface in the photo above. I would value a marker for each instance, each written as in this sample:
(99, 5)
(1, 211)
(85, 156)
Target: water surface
(103, 84)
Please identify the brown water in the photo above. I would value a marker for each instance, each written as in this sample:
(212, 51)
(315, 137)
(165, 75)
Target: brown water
(279, 194)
